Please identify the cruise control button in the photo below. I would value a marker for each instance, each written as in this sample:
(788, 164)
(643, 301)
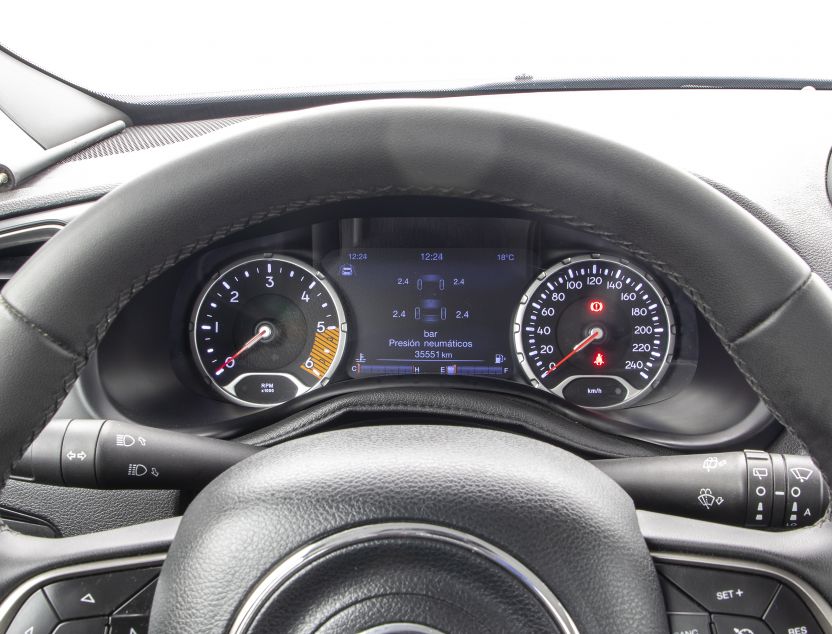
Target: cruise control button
(789, 615)
(84, 626)
(97, 595)
(35, 617)
(689, 623)
(722, 591)
(592, 392)
(726, 624)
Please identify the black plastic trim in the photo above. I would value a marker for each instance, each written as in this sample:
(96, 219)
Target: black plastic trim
(745, 432)
(817, 605)
(28, 524)
(170, 108)
(19, 169)
(9, 607)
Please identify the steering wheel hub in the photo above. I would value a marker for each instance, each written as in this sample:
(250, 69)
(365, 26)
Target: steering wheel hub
(425, 572)
(455, 529)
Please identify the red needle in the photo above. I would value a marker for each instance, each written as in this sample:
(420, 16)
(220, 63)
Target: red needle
(596, 333)
(264, 331)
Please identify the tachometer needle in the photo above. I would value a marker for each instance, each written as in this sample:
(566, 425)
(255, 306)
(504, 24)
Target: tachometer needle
(264, 331)
(595, 333)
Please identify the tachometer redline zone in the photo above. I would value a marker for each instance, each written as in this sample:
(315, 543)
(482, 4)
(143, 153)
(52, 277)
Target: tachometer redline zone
(596, 330)
(268, 329)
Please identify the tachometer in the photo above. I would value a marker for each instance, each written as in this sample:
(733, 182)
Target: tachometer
(268, 329)
(595, 330)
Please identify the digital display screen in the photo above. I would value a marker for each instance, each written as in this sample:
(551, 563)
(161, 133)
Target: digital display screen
(430, 311)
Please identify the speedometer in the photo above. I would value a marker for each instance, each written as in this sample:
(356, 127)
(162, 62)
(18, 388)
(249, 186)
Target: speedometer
(268, 329)
(594, 330)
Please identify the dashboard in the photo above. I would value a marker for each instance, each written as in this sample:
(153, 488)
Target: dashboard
(146, 369)
(279, 329)
(419, 292)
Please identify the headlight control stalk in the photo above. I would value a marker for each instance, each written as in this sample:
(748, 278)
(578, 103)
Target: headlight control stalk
(742, 488)
(109, 454)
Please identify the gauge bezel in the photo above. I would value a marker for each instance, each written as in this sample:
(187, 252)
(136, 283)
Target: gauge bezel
(633, 394)
(336, 302)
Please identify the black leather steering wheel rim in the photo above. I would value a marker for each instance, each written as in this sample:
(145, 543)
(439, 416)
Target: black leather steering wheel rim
(757, 294)
(750, 286)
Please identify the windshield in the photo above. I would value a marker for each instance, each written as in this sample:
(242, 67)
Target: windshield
(170, 48)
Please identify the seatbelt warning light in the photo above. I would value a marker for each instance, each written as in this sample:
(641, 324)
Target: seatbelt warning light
(599, 361)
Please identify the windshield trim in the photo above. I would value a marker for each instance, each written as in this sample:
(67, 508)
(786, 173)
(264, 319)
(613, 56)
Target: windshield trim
(144, 109)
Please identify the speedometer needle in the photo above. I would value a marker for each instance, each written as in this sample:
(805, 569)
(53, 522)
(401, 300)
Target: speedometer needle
(594, 334)
(264, 331)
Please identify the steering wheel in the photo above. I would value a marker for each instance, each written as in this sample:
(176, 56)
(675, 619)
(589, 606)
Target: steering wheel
(414, 528)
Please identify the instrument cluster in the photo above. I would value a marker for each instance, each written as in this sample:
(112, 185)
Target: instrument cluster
(419, 293)
(592, 328)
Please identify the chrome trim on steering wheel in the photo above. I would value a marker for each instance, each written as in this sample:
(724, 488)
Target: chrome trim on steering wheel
(301, 558)
(401, 628)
